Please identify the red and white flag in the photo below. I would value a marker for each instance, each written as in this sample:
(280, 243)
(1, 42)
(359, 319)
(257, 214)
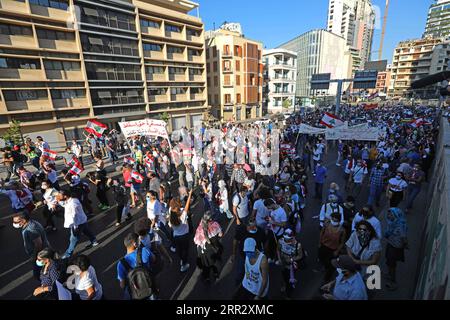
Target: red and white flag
(95, 127)
(417, 123)
(129, 160)
(49, 154)
(74, 162)
(148, 162)
(330, 120)
(76, 169)
(137, 177)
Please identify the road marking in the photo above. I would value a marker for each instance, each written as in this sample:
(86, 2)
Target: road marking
(16, 283)
(178, 288)
(16, 267)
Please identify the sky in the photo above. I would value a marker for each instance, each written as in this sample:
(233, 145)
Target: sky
(275, 22)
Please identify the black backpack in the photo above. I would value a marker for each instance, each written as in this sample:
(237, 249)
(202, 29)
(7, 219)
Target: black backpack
(138, 279)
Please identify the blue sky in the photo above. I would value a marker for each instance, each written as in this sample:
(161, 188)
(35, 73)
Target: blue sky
(275, 22)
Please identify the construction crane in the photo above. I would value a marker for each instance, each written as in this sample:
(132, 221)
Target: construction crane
(383, 31)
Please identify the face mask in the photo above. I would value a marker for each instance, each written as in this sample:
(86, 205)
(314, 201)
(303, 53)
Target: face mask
(363, 237)
(252, 231)
(399, 177)
(40, 263)
(44, 187)
(62, 203)
(17, 225)
(339, 270)
(334, 223)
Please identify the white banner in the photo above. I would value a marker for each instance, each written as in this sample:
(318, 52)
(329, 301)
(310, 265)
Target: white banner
(359, 132)
(304, 128)
(144, 127)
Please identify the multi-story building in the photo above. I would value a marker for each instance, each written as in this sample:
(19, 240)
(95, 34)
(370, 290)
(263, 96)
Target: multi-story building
(63, 62)
(235, 71)
(317, 52)
(281, 68)
(354, 20)
(438, 21)
(414, 60)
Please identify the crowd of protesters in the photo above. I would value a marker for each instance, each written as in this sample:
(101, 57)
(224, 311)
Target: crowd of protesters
(165, 178)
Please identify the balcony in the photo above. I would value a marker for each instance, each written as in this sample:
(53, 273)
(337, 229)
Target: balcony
(70, 103)
(178, 97)
(17, 41)
(14, 6)
(228, 84)
(175, 35)
(197, 96)
(196, 59)
(158, 99)
(156, 77)
(154, 54)
(176, 56)
(227, 55)
(177, 77)
(29, 105)
(22, 74)
(64, 75)
(228, 70)
(53, 13)
(228, 103)
(60, 45)
(194, 39)
(156, 32)
(196, 78)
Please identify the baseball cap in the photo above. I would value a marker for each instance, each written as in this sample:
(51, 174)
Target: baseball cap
(288, 234)
(75, 179)
(249, 245)
(346, 263)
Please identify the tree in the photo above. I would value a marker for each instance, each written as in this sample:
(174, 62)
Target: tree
(13, 133)
(164, 117)
(287, 103)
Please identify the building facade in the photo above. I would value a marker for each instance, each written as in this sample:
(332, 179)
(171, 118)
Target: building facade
(63, 62)
(354, 20)
(235, 74)
(280, 70)
(414, 60)
(438, 21)
(317, 52)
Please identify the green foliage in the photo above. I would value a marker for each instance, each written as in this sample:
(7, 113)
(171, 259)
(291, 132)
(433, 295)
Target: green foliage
(287, 103)
(164, 117)
(13, 133)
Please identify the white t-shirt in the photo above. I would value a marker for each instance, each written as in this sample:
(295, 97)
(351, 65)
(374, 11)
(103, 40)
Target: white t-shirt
(278, 215)
(242, 205)
(261, 213)
(359, 173)
(376, 224)
(397, 184)
(154, 209)
(182, 228)
(87, 281)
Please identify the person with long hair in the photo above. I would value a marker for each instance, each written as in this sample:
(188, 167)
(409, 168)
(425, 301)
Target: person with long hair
(178, 221)
(46, 260)
(209, 249)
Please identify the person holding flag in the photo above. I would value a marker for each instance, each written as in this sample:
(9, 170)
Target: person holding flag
(99, 180)
(95, 128)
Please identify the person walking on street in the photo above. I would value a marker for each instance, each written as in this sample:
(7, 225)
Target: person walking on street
(76, 220)
(415, 180)
(319, 179)
(376, 184)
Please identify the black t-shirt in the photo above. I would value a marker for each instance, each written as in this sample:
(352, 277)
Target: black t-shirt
(7, 155)
(242, 233)
(349, 214)
(16, 156)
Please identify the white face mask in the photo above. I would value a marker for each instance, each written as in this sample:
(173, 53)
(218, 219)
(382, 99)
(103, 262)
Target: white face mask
(17, 225)
(44, 187)
(339, 270)
(334, 223)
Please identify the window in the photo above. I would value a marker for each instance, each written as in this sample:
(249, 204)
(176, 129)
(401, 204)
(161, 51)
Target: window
(238, 98)
(237, 51)
(157, 91)
(216, 98)
(55, 35)
(174, 91)
(155, 70)
(15, 30)
(227, 98)
(175, 70)
(226, 50)
(207, 53)
(227, 65)
(56, 4)
(24, 95)
(18, 63)
(62, 65)
(193, 33)
(172, 50)
(226, 80)
(152, 47)
(150, 24)
(238, 80)
(172, 28)
(214, 52)
(238, 66)
(68, 94)
(193, 52)
(216, 81)
(195, 72)
(215, 66)
(208, 81)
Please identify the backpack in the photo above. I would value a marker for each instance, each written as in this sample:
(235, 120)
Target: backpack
(138, 279)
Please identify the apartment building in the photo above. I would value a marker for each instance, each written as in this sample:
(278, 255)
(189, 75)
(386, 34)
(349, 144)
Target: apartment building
(438, 21)
(317, 52)
(413, 60)
(280, 72)
(235, 71)
(63, 62)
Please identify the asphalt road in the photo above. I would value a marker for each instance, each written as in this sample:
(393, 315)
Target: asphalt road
(16, 280)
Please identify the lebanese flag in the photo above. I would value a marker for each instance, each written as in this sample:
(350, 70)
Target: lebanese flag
(129, 160)
(74, 162)
(95, 127)
(137, 177)
(148, 162)
(370, 106)
(330, 120)
(49, 154)
(417, 123)
(76, 169)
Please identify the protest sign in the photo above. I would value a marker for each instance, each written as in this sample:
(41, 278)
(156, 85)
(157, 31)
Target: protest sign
(144, 127)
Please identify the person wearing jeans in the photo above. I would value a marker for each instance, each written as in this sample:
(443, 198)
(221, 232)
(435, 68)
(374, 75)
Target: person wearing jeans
(376, 180)
(76, 220)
